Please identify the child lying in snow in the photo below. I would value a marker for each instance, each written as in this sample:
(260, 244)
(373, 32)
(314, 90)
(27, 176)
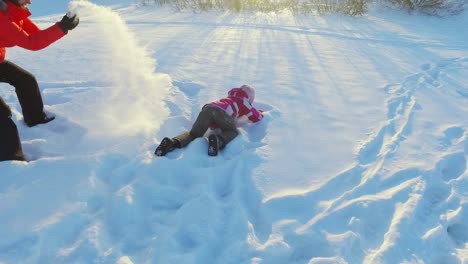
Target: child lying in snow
(221, 114)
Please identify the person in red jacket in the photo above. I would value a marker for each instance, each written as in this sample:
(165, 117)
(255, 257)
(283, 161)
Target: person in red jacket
(16, 29)
(223, 114)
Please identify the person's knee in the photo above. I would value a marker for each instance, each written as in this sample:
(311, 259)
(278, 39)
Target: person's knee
(24, 80)
(30, 80)
(5, 111)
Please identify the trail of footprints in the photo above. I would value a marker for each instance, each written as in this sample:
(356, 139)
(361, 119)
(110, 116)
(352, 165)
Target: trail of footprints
(447, 177)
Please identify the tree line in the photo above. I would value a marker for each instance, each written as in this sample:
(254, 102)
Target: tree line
(347, 7)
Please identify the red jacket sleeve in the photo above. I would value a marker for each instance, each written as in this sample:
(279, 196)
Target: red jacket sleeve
(30, 27)
(255, 115)
(33, 40)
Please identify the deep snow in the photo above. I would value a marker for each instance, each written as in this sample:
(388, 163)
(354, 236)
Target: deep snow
(361, 158)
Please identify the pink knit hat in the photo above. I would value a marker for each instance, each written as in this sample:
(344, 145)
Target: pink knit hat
(249, 91)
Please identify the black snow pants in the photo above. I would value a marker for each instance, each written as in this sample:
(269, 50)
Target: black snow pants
(29, 97)
(10, 144)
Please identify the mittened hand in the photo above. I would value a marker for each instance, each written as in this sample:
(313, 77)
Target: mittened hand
(69, 23)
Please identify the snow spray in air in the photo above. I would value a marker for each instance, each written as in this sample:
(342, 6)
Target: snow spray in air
(133, 104)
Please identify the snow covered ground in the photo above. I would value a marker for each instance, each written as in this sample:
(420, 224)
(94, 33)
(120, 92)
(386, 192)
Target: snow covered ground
(361, 158)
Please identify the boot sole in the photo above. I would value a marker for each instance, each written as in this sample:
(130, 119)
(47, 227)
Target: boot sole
(163, 147)
(213, 146)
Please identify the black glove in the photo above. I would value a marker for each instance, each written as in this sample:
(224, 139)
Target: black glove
(69, 23)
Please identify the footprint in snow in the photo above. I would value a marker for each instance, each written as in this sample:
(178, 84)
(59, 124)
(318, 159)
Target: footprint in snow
(452, 166)
(452, 134)
(433, 196)
(458, 233)
(188, 88)
(33, 149)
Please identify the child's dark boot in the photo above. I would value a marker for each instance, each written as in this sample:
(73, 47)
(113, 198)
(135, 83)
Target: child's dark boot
(166, 145)
(215, 143)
